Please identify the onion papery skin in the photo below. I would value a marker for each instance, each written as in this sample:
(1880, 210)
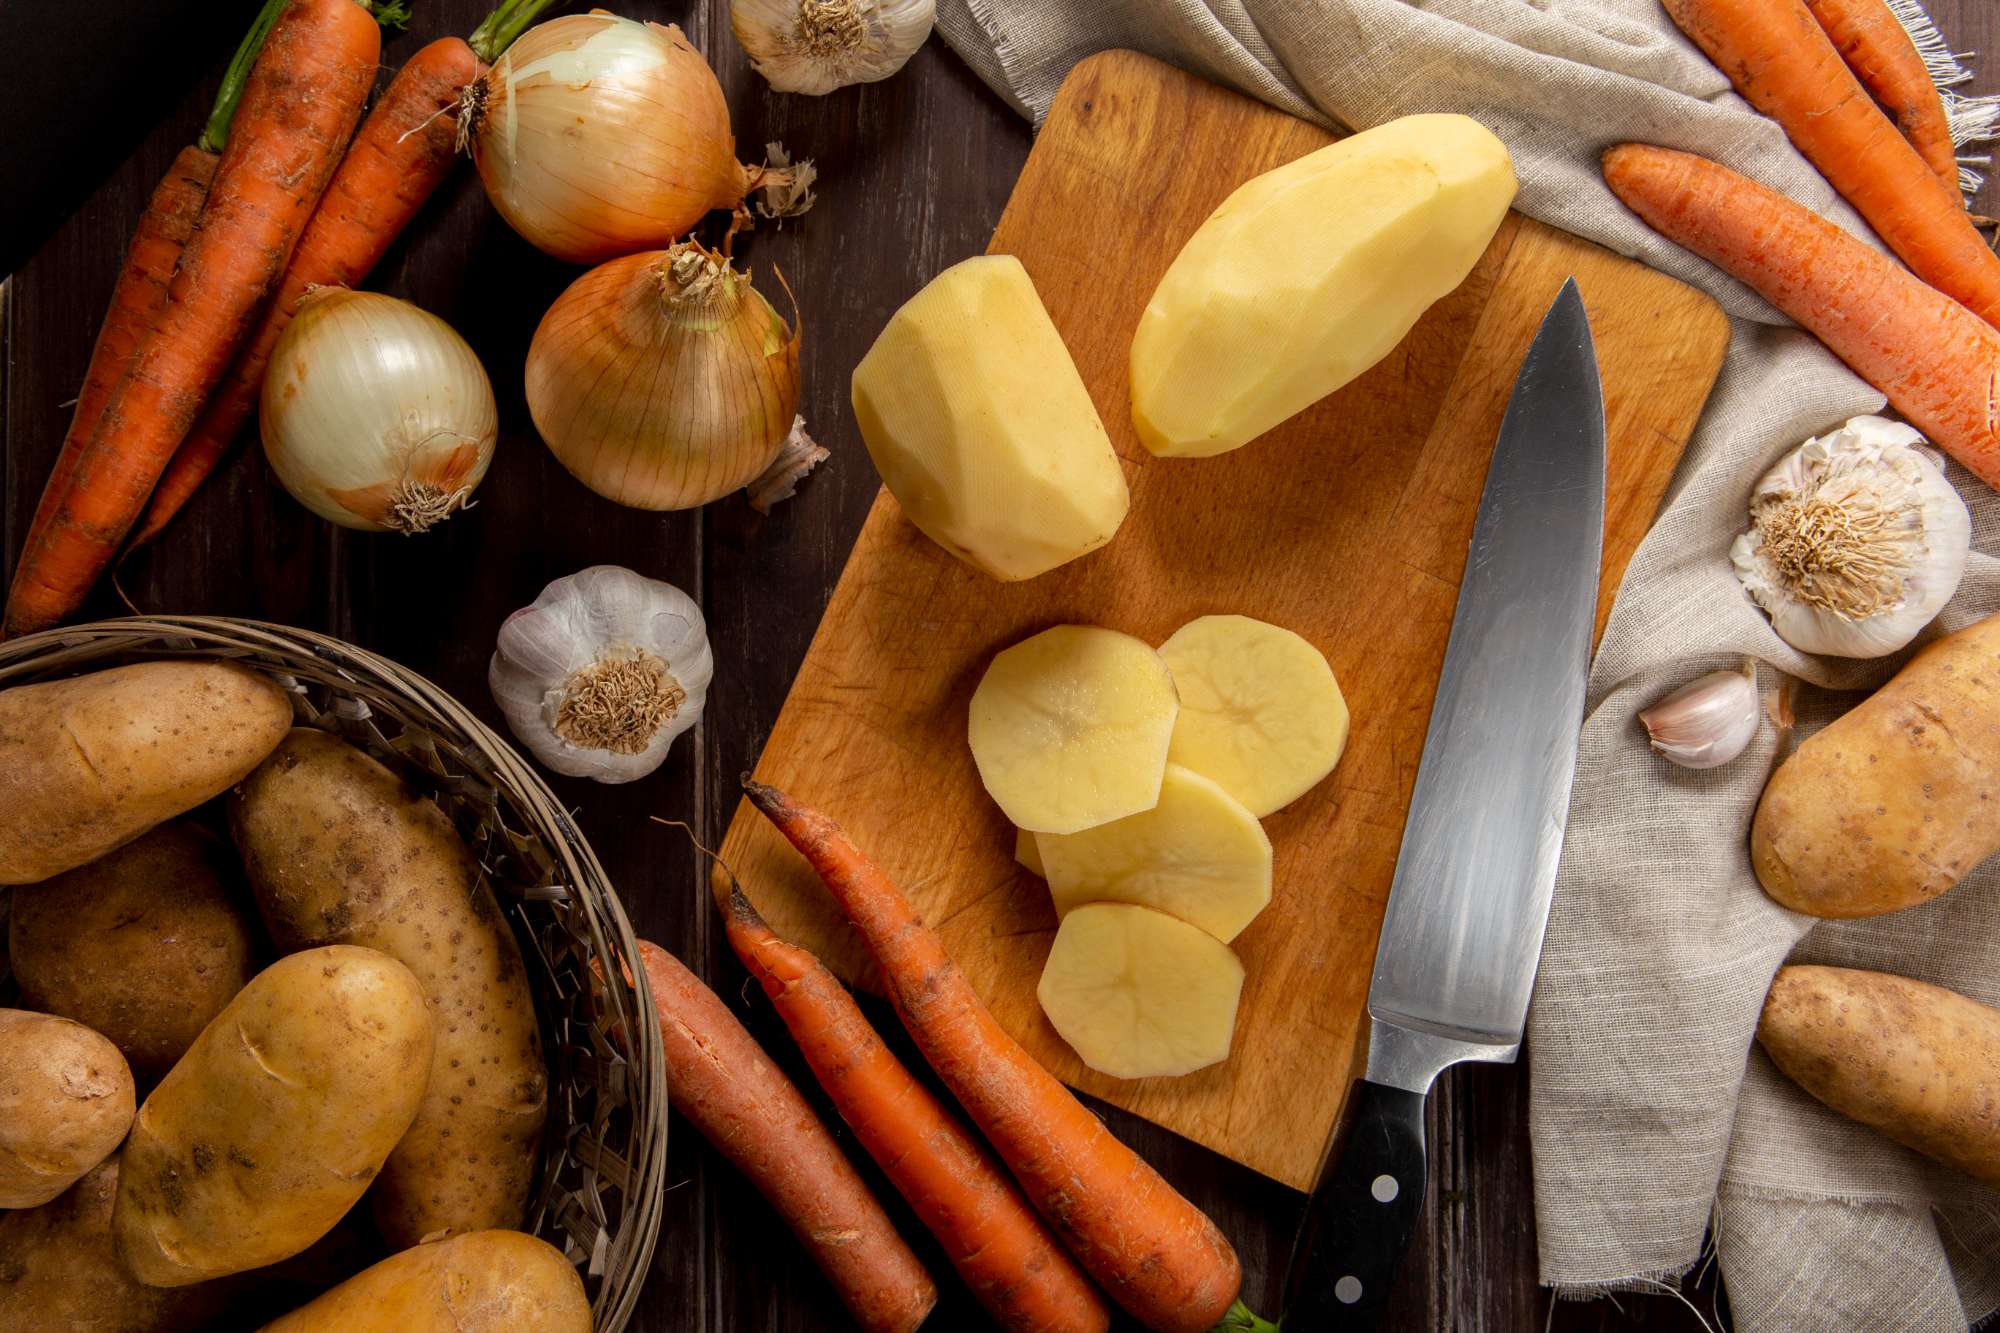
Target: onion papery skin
(375, 411)
(597, 136)
(658, 403)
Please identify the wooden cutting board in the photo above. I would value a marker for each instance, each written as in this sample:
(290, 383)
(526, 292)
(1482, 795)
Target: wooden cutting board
(1348, 524)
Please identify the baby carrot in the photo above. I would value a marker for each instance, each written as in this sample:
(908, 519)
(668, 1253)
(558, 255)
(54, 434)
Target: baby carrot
(1932, 358)
(721, 1080)
(1157, 1254)
(1011, 1263)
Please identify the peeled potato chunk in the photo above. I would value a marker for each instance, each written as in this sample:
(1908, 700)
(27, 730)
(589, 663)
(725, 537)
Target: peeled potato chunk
(981, 427)
(1028, 853)
(1308, 275)
(1138, 994)
(1261, 713)
(1069, 728)
(1198, 855)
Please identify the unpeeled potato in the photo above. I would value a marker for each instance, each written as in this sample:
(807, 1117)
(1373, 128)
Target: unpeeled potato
(66, 1100)
(480, 1282)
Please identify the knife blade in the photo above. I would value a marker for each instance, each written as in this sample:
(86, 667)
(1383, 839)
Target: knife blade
(1467, 908)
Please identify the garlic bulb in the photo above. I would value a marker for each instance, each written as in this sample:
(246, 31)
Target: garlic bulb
(1856, 540)
(600, 673)
(1706, 722)
(816, 46)
(376, 414)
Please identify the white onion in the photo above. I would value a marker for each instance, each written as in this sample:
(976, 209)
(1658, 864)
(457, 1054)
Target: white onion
(597, 135)
(376, 415)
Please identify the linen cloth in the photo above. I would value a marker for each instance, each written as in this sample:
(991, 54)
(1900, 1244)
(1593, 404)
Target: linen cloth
(1652, 1114)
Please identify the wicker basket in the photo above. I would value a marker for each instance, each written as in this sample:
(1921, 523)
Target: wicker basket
(604, 1153)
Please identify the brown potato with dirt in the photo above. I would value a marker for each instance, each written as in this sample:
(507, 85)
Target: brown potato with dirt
(338, 849)
(276, 1120)
(65, 1103)
(1895, 802)
(480, 1282)
(1918, 1062)
(58, 1270)
(89, 763)
(144, 944)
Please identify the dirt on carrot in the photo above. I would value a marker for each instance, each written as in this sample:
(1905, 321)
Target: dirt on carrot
(1878, 49)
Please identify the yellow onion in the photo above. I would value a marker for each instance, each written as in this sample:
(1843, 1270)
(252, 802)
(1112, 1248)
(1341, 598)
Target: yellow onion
(597, 135)
(664, 380)
(376, 415)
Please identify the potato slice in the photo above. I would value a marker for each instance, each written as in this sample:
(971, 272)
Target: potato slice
(1138, 994)
(1069, 728)
(1308, 275)
(1029, 853)
(1198, 855)
(981, 427)
(1261, 713)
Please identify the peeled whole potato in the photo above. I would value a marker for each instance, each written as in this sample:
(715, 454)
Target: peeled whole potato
(1308, 275)
(59, 1271)
(145, 944)
(1918, 1062)
(480, 1282)
(66, 1101)
(981, 427)
(1261, 713)
(89, 763)
(1138, 994)
(277, 1118)
(1198, 856)
(339, 850)
(1069, 728)
(1893, 803)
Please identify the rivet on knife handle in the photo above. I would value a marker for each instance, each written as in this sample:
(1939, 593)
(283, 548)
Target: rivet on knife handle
(1361, 1214)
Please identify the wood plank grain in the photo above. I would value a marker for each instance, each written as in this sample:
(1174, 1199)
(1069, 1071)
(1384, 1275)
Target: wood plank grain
(1348, 524)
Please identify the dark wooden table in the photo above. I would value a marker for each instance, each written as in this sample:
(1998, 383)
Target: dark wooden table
(915, 173)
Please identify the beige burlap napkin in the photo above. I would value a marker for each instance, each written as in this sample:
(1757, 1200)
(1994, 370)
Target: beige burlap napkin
(1652, 1114)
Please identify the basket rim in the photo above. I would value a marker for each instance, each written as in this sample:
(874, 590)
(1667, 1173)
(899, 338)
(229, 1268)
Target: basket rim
(44, 652)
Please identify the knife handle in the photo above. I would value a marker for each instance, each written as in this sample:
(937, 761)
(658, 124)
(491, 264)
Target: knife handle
(1361, 1214)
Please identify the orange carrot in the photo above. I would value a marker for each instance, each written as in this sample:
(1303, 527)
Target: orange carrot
(1936, 362)
(141, 291)
(1779, 58)
(1009, 1260)
(299, 108)
(1157, 1254)
(1879, 50)
(721, 1080)
(404, 151)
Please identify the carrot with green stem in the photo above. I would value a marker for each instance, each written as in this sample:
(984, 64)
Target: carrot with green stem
(1880, 51)
(1017, 1270)
(1156, 1254)
(1930, 356)
(1779, 58)
(299, 108)
(721, 1080)
(141, 291)
(403, 152)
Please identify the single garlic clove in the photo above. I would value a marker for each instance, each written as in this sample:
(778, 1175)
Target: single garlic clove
(1707, 722)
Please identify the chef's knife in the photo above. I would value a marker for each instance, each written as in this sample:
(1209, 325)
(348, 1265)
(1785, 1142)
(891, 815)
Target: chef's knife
(1470, 898)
